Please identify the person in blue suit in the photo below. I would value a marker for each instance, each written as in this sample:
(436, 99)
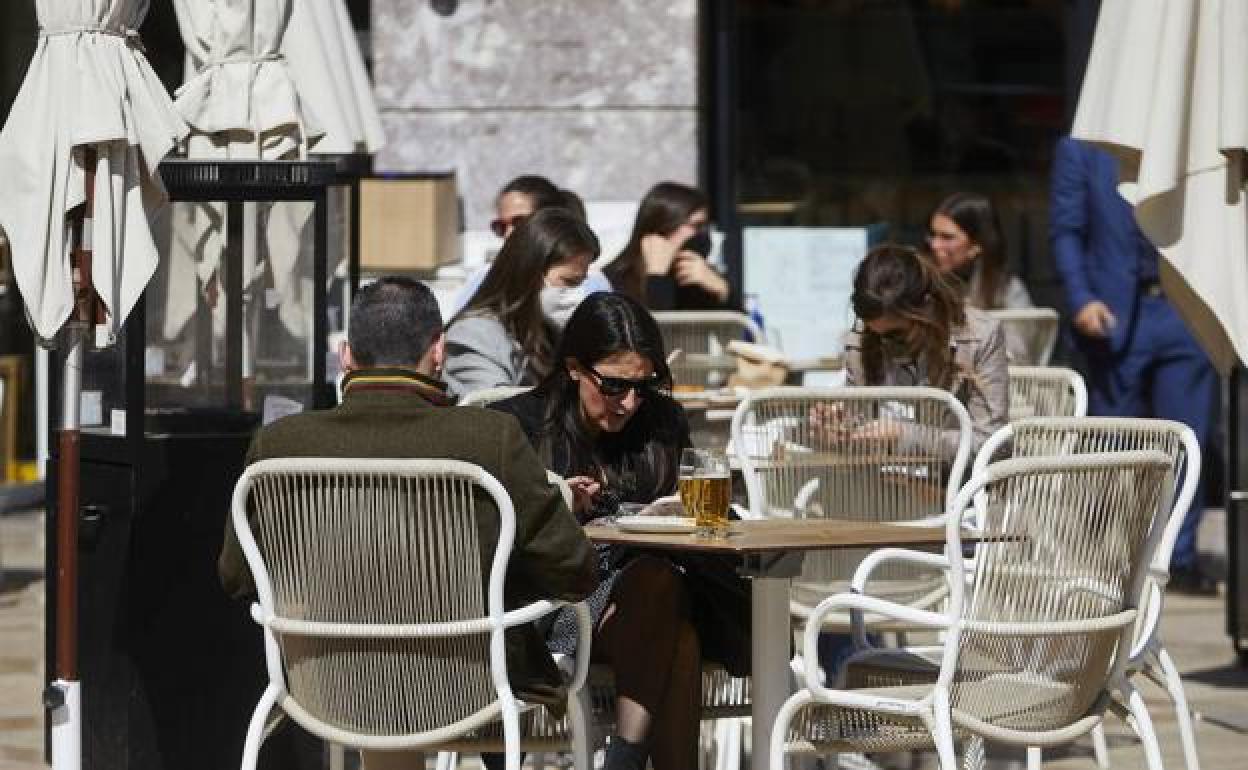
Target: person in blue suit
(1142, 360)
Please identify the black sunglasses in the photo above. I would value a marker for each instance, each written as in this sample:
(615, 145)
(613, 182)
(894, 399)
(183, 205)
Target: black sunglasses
(500, 226)
(617, 387)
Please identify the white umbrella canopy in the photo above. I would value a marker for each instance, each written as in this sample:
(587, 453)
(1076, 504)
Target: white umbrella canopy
(239, 97)
(88, 85)
(329, 73)
(1165, 92)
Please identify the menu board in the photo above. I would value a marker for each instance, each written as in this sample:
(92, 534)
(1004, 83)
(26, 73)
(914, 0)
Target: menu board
(802, 278)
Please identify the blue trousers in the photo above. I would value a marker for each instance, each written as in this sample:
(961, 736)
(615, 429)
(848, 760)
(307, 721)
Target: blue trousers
(1162, 372)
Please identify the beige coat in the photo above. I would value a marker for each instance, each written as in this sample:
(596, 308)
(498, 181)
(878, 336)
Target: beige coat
(981, 384)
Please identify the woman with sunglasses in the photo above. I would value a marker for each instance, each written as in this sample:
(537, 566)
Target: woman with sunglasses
(505, 334)
(664, 264)
(914, 328)
(603, 420)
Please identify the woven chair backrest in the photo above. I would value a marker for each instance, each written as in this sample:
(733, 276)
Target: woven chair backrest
(854, 453)
(487, 396)
(702, 337)
(1031, 333)
(1046, 391)
(1084, 435)
(367, 546)
(1066, 543)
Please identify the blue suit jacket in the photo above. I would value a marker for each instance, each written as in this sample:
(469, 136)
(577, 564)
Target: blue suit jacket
(1097, 246)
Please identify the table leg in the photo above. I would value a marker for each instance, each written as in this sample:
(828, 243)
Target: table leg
(772, 634)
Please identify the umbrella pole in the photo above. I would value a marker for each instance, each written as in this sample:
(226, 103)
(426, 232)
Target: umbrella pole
(64, 699)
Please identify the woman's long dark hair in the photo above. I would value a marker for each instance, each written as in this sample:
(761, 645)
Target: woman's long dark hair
(898, 281)
(642, 459)
(975, 215)
(512, 287)
(666, 207)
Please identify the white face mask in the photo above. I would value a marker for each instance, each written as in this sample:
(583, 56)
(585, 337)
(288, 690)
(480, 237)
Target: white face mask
(558, 302)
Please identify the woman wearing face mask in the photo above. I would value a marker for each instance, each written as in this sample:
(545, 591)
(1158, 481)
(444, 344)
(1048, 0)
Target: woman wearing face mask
(603, 419)
(505, 334)
(965, 239)
(664, 264)
(913, 328)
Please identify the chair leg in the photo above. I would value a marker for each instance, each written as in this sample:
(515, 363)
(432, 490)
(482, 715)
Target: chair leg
(1143, 724)
(511, 736)
(579, 709)
(255, 728)
(726, 747)
(447, 760)
(1035, 758)
(942, 730)
(1100, 749)
(780, 730)
(1174, 686)
(731, 747)
(337, 756)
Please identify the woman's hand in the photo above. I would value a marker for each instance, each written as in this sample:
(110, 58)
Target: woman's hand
(888, 431)
(584, 490)
(827, 423)
(658, 253)
(691, 269)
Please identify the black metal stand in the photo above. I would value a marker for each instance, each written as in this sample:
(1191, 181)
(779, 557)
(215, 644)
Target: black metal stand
(171, 667)
(1237, 514)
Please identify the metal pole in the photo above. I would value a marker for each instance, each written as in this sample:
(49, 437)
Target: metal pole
(64, 697)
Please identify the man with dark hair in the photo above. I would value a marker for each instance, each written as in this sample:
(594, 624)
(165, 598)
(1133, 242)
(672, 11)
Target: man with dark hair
(394, 322)
(393, 406)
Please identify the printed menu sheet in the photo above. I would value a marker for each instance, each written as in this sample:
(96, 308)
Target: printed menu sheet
(803, 278)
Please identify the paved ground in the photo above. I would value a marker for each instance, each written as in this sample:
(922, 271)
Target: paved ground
(1194, 630)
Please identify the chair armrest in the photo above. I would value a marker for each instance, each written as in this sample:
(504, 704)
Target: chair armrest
(870, 562)
(860, 603)
(584, 633)
(532, 612)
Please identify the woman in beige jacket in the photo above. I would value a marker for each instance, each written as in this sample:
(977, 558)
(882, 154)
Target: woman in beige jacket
(914, 328)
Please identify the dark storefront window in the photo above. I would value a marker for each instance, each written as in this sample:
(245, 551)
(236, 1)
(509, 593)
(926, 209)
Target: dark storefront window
(858, 112)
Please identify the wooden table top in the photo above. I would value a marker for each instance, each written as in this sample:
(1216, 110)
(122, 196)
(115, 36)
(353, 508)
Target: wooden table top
(780, 536)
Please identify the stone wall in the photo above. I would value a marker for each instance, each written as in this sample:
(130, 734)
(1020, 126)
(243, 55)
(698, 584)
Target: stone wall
(599, 95)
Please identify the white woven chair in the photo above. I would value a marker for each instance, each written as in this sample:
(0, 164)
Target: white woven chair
(369, 580)
(702, 337)
(1036, 625)
(796, 464)
(1030, 333)
(487, 396)
(1036, 437)
(1046, 391)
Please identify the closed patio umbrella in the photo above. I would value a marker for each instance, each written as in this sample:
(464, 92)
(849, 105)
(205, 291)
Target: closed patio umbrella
(1165, 93)
(329, 74)
(77, 156)
(88, 85)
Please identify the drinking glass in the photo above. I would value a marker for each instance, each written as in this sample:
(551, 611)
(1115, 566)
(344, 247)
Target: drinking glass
(705, 489)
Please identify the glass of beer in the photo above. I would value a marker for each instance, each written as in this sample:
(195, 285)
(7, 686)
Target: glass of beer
(705, 489)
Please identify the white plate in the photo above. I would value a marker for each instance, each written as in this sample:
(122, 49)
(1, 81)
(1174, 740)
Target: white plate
(657, 524)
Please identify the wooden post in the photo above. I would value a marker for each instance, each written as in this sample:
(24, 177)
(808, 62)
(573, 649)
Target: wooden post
(68, 437)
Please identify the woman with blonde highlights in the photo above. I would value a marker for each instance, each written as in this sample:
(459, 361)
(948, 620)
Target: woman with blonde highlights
(914, 328)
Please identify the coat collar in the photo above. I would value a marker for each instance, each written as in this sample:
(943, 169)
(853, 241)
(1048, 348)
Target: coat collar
(396, 380)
